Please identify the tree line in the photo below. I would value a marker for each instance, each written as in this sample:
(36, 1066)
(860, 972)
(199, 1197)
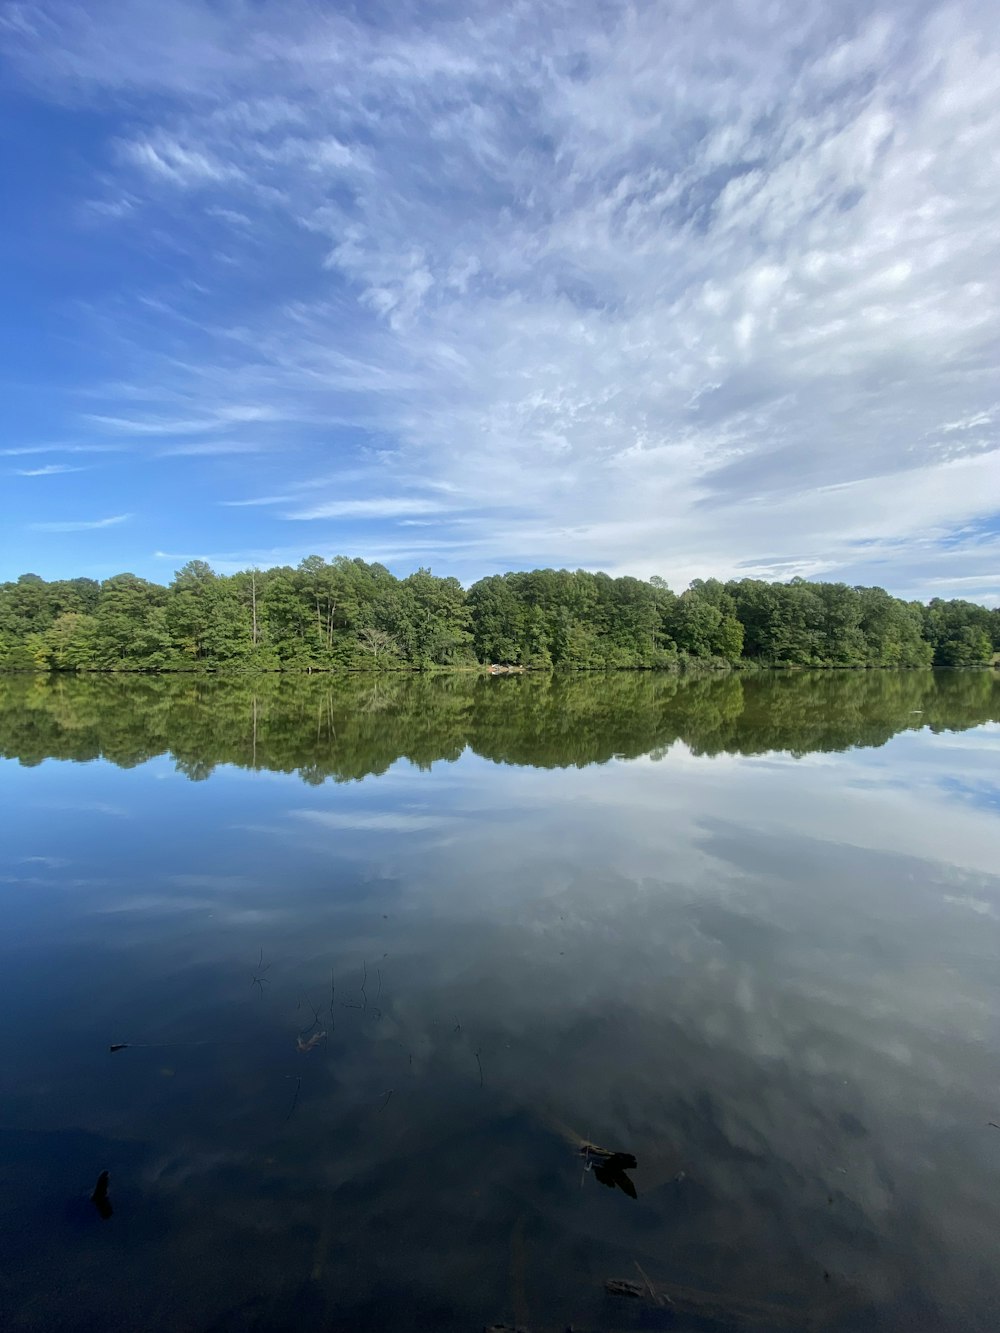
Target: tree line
(347, 614)
(345, 727)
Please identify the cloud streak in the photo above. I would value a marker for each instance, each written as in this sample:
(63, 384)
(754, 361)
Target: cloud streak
(80, 525)
(377, 507)
(49, 470)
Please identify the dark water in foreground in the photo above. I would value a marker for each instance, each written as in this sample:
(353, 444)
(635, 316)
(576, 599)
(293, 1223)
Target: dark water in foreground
(745, 929)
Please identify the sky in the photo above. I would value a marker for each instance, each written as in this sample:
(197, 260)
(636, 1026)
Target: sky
(686, 289)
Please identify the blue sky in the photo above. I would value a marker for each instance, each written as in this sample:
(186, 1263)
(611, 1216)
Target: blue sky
(683, 289)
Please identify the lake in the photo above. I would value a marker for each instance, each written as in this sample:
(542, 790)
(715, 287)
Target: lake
(384, 954)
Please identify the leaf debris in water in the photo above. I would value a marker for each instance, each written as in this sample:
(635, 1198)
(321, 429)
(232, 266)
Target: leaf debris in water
(314, 1040)
(609, 1167)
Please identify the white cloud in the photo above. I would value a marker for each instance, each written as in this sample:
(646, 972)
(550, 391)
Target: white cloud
(49, 470)
(24, 450)
(379, 507)
(386, 551)
(165, 159)
(209, 448)
(712, 291)
(161, 426)
(220, 417)
(79, 525)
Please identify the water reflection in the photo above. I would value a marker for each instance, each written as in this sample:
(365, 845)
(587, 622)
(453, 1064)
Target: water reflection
(346, 727)
(768, 980)
(100, 1199)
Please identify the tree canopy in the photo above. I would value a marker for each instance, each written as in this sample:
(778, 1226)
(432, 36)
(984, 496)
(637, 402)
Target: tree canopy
(347, 614)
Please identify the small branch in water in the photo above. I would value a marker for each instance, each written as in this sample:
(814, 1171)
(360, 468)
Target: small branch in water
(158, 1045)
(259, 979)
(989, 1122)
(385, 1103)
(364, 982)
(480, 1064)
(654, 1295)
(378, 993)
(295, 1098)
(315, 1023)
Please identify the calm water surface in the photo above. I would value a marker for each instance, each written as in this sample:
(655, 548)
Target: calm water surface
(747, 930)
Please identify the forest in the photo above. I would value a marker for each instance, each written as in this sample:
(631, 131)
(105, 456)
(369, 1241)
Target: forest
(348, 615)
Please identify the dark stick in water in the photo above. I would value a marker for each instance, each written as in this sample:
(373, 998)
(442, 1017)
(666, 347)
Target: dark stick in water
(158, 1045)
(480, 1064)
(295, 1099)
(258, 978)
(315, 1023)
(385, 1103)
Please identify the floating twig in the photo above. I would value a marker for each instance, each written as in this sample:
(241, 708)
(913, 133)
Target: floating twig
(378, 993)
(364, 982)
(654, 1295)
(385, 1103)
(259, 979)
(624, 1286)
(315, 1012)
(303, 1047)
(480, 1064)
(158, 1045)
(295, 1098)
(989, 1122)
